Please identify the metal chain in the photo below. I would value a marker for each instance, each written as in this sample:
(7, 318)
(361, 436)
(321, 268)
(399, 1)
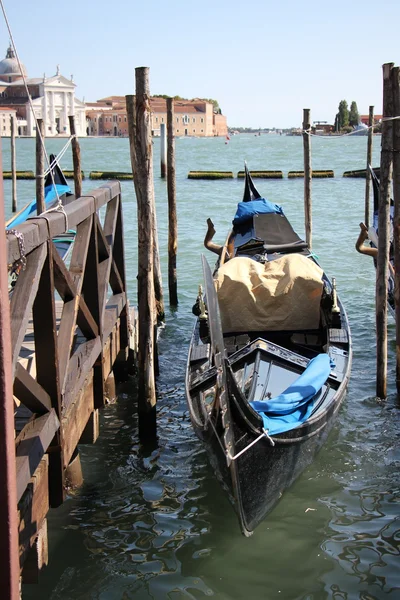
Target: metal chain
(20, 264)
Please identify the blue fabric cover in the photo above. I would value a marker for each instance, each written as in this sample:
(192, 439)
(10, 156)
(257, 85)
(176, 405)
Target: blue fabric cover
(49, 197)
(247, 210)
(294, 406)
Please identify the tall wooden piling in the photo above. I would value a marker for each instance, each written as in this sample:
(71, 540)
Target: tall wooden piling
(9, 551)
(13, 165)
(307, 176)
(139, 124)
(163, 151)
(396, 220)
(369, 162)
(76, 158)
(384, 233)
(172, 214)
(40, 206)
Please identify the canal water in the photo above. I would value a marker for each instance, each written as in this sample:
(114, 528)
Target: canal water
(152, 522)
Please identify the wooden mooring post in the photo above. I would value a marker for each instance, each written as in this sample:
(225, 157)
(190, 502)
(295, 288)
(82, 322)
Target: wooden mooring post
(13, 166)
(396, 219)
(139, 124)
(172, 213)
(384, 233)
(76, 158)
(163, 151)
(40, 206)
(369, 163)
(307, 176)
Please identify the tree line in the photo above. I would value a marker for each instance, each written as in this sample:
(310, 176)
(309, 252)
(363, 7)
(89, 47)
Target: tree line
(345, 119)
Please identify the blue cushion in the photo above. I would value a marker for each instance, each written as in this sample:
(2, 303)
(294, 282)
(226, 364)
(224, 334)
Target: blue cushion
(247, 210)
(295, 404)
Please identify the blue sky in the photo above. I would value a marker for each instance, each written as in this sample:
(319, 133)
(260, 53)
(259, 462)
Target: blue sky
(263, 61)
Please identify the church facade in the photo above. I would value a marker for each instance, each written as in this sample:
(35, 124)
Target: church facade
(52, 99)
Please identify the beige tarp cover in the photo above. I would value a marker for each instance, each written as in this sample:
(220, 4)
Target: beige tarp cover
(283, 294)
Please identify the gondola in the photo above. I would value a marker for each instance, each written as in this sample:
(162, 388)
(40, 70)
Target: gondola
(373, 237)
(55, 188)
(269, 359)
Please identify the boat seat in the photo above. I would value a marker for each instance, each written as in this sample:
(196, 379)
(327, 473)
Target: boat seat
(200, 353)
(292, 247)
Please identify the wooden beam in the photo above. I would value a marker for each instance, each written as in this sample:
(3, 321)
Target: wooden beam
(382, 267)
(172, 214)
(81, 362)
(29, 392)
(32, 443)
(47, 367)
(38, 556)
(76, 417)
(307, 176)
(23, 297)
(33, 508)
(36, 230)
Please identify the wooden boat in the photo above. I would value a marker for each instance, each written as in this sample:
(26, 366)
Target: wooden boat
(373, 237)
(269, 360)
(55, 188)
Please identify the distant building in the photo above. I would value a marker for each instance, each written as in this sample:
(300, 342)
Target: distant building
(53, 100)
(365, 119)
(5, 120)
(195, 118)
(322, 128)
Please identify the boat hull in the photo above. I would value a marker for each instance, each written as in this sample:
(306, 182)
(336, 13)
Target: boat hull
(256, 480)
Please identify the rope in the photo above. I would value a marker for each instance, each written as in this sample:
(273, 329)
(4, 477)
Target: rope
(28, 93)
(59, 156)
(383, 120)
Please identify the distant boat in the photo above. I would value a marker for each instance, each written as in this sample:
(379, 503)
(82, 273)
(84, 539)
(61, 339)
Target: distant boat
(360, 129)
(269, 360)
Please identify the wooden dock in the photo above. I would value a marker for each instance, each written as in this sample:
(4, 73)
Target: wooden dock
(70, 330)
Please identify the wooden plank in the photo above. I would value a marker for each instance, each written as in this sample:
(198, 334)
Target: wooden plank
(79, 252)
(80, 364)
(114, 308)
(47, 367)
(91, 293)
(32, 444)
(76, 417)
(85, 321)
(63, 281)
(116, 282)
(33, 508)
(66, 336)
(29, 392)
(103, 245)
(105, 265)
(37, 558)
(23, 297)
(35, 231)
(92, 429)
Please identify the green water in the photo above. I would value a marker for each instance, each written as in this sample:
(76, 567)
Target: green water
(152, 523)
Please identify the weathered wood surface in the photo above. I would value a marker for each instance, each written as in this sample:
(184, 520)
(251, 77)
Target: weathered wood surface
(76, 158)
(40, 205)
(307, 176)
(384, 234)
(140, 143)
(369, 163)
(13, 166)
(172, 212)
(396, 219)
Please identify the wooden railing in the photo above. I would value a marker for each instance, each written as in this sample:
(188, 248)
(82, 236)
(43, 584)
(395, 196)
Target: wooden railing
(76, 319)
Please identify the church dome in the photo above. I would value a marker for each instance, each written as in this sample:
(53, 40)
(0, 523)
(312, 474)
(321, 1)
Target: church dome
(9, 67)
